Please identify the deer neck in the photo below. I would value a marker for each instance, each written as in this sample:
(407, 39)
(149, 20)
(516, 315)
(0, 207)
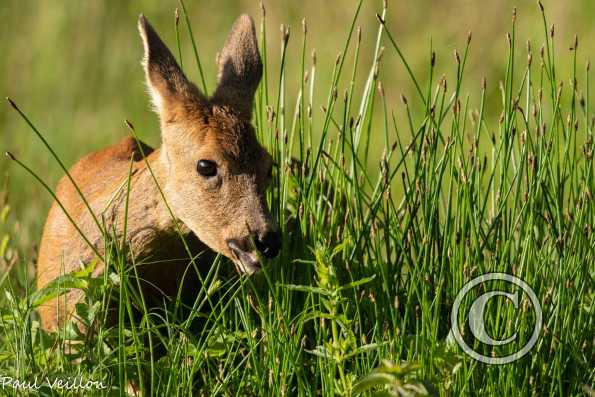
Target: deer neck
(149, 220)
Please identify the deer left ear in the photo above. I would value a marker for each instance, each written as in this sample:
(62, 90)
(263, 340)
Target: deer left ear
(240, 68)
(167, 83)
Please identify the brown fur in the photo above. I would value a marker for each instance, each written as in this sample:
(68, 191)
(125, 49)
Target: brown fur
(227, 207)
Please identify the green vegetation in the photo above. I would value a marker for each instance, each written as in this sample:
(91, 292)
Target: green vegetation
(387, 216)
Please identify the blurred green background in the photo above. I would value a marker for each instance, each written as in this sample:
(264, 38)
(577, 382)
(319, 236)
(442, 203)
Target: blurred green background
(74, 66)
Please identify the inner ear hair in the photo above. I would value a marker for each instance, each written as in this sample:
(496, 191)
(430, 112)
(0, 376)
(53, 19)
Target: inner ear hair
(240, 68)
(165, 79)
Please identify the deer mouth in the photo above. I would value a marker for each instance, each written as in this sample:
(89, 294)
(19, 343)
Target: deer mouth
(245, 261)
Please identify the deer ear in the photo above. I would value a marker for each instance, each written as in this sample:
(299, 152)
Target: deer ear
(240, 68)
(166, 81)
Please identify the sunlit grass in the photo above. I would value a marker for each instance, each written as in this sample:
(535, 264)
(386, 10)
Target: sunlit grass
(375, 247)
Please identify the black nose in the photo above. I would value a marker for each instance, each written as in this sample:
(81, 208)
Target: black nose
(269, 244)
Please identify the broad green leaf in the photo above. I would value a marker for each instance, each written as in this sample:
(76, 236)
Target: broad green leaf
(306, 288)
(55, 288)
(375, 379)
(356, 283)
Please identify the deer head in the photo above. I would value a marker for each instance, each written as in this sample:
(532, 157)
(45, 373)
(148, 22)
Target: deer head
(214, 170)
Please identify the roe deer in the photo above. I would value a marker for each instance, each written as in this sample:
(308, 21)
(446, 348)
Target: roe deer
(210, 167)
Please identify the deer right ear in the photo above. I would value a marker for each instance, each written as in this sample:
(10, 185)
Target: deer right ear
(240, 68)
(166, 81)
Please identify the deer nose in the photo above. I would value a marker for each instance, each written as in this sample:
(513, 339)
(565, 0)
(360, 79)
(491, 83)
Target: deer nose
(269, 244)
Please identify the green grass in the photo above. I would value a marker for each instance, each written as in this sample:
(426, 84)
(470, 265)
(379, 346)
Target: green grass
(375, 248)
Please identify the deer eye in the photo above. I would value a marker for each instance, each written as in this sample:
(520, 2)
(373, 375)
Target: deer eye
(206, 168)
